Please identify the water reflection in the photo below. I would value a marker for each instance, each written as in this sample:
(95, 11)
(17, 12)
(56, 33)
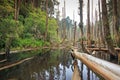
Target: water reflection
(52, 65)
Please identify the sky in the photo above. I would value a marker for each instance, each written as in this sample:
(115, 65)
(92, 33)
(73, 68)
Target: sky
(72, 7)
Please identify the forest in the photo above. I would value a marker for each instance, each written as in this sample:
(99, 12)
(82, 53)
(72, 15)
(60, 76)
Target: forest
(38, 28)
(23, 24)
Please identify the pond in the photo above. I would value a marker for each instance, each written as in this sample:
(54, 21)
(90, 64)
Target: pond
(50, 65)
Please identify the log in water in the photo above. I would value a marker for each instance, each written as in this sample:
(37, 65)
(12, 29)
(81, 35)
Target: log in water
(107, 70)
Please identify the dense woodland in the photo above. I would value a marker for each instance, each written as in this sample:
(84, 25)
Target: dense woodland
(36, 23)
(104, 32)
(27, 27)
(27, 24)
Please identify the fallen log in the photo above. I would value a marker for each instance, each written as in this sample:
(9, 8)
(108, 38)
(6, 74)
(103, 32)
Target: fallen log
(76, 72)
(107, 70)
(3, 60)
(14, 64)
(101, 49)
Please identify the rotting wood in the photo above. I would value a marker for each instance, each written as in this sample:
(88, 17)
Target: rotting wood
(107, 70)
(14, 64)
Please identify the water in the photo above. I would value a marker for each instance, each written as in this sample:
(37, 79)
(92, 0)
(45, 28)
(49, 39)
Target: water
(52, 65)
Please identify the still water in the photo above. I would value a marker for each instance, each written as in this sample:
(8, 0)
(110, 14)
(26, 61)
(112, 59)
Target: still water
(50, 65)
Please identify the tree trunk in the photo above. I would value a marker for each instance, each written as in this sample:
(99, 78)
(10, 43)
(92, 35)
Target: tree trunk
(92, 27)
(97, 29)
(107, 70)
(45, 37)
(81, 25)
(107, 29)
(15, 12)
(102, 41)
(7, 47)
(88, 24)
(17, 8)
(74, 35)
(116, 27)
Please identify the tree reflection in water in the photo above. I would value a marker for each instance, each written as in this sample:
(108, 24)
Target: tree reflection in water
(50, 65)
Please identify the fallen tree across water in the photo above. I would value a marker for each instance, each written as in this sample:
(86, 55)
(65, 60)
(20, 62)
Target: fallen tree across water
(14, 64)
(76, 73)
(107, 70)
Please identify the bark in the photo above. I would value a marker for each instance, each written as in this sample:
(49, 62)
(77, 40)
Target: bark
(15, 12)
(46, 32)
(15, 64)
(107, 29)
(17, 8)
(100, 25)
(76, 74)
(97, 29)
(116, 26)
(7, 47)
(107, 70)
(88, 24)
(81, 25)
(92, 27)
(74, 34)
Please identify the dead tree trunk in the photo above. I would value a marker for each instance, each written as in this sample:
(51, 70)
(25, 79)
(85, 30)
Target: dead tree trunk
(92, 27)
(81, 25)
(107, 29)
(102, 41)
(107, 70)
(75, 35)
(88, 24)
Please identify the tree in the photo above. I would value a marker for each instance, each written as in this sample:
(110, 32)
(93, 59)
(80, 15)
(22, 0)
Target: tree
(46, 20)
(88, 24)
(107, 29)
(116, 21)
(100, 25)
(81, 25)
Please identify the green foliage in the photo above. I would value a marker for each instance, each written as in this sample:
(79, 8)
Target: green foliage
(35, 23)
(27, 43)
(10, 28)
(52, 29)
(6, 8)
(29, 29)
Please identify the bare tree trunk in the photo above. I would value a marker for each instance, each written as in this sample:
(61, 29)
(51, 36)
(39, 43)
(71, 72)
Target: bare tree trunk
(32, 3)
(45, 37)
(92, 29)
(81, 25)
(116, 27)
(97, 29)
(17, 8)
(15, 12)
(107, 29)
(88, 22)
(102, 41)
(74, 35)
